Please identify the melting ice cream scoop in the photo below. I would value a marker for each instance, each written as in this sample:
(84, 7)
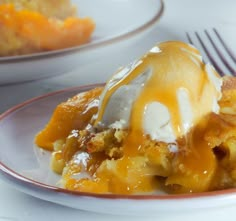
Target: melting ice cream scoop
(163, 94)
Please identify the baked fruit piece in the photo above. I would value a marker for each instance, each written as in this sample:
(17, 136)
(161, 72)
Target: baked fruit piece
(94, 160)
(36, 26)
(68, 116)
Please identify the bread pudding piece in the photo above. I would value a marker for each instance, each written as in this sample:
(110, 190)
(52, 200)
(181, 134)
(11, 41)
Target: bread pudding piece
(36, 26)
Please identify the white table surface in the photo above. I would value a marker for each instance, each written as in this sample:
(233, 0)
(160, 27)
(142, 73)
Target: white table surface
(179, 16)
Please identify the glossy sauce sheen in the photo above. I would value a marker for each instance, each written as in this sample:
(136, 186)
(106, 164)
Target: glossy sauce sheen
(173, 65)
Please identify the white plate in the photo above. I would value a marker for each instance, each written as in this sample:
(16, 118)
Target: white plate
(26, 167)
(117, 23)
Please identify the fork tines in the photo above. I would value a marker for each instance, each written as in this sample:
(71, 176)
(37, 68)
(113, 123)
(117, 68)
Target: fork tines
(216, 50)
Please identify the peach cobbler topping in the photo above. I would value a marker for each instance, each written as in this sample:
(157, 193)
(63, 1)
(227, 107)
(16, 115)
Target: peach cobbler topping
(167, 122)
(94, 161)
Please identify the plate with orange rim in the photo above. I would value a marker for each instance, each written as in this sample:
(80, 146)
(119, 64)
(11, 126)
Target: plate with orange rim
(117, 22)
(26, 167)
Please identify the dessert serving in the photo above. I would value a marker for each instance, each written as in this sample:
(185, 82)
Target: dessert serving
(41, 25)
(164, 123)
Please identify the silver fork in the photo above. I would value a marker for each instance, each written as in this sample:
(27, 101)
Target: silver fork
(216, 51)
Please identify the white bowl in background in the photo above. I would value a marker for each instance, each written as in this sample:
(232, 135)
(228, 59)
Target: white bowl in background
(118, 23)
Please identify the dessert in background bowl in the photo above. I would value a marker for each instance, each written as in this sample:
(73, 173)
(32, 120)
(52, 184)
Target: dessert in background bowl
(39, 39)
(36, 26)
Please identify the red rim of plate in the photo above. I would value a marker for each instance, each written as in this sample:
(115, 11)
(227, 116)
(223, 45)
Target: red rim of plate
(15, 177)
